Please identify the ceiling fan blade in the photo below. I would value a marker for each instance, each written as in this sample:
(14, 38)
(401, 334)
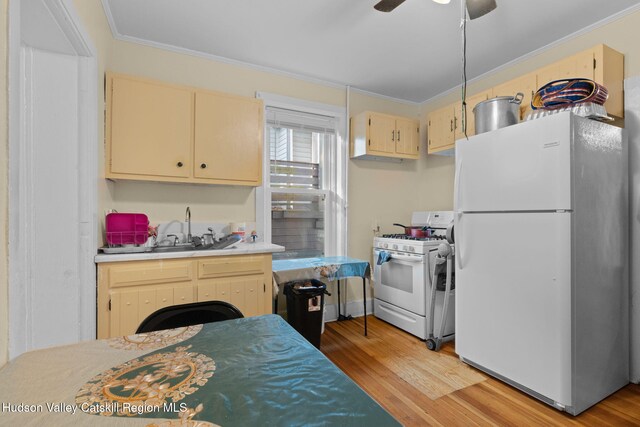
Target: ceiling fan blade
(478, 8)
(388, 5)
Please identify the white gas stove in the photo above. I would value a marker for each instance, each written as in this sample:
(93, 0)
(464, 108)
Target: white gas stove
(403, 281)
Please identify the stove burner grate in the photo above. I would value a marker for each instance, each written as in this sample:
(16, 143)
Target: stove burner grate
(405, 237)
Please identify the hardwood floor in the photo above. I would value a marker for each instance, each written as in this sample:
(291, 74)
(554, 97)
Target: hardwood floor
(385, 365)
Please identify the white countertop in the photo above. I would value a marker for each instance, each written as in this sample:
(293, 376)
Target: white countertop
(237, 249)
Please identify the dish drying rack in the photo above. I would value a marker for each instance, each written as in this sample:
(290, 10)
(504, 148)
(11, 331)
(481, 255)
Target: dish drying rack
(126, 233)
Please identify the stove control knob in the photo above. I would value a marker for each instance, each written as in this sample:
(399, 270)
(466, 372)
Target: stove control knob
(384, 245)
(395, 247)
(411, 249)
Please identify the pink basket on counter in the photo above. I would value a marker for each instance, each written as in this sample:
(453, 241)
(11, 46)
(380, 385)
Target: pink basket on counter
(127, 229)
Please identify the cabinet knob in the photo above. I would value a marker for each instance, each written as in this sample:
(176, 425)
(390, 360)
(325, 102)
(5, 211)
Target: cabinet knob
(164, 300)
(182, 298)
(203, 166)
(146, 302)
(206, 295)
(179, 164)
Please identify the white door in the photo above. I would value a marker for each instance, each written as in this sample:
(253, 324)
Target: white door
(513, 297)
(401, 281)
(524, 167)
(52, 177)
(54, 309)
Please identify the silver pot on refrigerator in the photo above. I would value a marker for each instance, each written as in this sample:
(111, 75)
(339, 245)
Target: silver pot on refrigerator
(497, 113)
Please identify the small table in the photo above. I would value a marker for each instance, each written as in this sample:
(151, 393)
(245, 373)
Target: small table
(330, 268)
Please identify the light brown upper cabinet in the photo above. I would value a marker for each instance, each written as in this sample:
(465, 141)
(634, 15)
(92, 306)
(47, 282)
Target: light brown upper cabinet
(150, 127)
(445, 124)
(383, 135)
(440, 129)
(407, 137)
(599, 63)
(161, 132)
(226, 133)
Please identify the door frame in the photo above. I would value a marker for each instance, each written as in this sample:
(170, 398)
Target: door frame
(21, 287)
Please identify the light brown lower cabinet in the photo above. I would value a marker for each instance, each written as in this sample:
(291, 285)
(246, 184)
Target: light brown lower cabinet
(129, 291)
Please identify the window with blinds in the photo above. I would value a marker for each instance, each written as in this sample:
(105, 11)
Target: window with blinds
(300, 145)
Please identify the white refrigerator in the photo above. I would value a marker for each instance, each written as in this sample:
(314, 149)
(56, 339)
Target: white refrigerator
(632, 124)
(541, 227)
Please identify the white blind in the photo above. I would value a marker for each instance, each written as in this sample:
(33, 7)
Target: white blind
(298, 120)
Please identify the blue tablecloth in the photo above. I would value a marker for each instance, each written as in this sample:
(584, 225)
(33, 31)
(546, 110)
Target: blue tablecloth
(329, 268)
(244, 372)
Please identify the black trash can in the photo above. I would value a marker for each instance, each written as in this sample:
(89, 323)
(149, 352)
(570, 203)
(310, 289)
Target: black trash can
(305, 306)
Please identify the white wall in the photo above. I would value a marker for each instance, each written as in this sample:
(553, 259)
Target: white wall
(4, 220)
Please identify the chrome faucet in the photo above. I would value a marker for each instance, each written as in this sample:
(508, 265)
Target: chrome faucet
(188, 220)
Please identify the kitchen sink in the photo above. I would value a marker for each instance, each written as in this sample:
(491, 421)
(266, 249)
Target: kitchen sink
(223, 243)
(179, 248)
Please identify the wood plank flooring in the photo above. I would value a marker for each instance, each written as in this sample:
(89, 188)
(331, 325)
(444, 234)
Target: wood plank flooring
(393, 367)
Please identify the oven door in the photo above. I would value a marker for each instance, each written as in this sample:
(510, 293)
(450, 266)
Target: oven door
(402, 281)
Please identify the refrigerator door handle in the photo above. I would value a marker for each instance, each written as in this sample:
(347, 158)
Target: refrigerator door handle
(458, 228)
(456, 186)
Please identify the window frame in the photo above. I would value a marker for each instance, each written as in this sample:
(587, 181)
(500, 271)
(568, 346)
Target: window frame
(335, 237)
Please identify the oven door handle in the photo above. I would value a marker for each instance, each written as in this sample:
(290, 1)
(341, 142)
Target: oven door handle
(407, 258)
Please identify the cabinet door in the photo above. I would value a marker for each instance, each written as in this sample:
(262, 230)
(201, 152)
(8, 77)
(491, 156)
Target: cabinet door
(223, 290)
(228, 138)
(526, 84)
(576, 66)
(580, 65)
(124, 313)
(150, 128)
(146, 303)
(548, 74)
(253, 296)
(183, 295)
(407, 136)
(609, 72)
(165, 298)
(246, 293)
(440, 129)
(458, 119)
(207, 291)
(382, 131)
(237, 294)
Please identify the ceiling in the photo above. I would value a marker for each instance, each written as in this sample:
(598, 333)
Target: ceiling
(412, 53)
